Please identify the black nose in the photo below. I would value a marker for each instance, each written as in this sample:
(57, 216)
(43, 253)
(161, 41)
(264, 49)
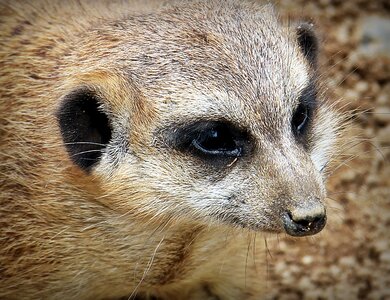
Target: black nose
(301, 222)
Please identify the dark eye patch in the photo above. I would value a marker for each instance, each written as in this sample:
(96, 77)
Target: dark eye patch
(303, 113)
(214, 141)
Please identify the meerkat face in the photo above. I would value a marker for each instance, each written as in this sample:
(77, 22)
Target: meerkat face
(217, 120)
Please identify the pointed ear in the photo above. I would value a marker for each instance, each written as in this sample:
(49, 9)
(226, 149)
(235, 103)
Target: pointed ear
(85, 127)
(308, 42)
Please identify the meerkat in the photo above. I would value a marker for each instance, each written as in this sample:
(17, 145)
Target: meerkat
(142, 150)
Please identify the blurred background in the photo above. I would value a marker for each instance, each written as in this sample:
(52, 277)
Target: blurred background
(350, 259)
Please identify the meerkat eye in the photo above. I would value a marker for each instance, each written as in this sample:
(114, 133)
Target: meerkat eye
(300, 118)
(217, 140)
(213, 140)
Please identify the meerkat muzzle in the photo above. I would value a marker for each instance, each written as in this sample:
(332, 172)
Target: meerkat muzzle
(305, 220)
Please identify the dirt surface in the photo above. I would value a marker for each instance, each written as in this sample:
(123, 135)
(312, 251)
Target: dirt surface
(350, 259)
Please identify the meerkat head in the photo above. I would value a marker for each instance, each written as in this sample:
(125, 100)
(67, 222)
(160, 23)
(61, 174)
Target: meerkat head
(212, 115)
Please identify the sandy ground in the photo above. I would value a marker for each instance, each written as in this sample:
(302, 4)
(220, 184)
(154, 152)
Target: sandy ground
(350, 259)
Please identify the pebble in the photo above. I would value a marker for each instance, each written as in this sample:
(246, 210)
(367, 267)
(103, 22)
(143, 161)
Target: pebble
(282, 246)
(385, 257)
(289, 296)
(334, 270)
(343, 33)
(305, 283)
(280, 267)
(375, 36)
(314, 294)
(287, 279)
(348, 175)
(295, 269)
(348, 261)
(362, 86)
(383, 135)
(381, 245)
(383, 98)
(382, 114)
(351, 95)
(307, 259)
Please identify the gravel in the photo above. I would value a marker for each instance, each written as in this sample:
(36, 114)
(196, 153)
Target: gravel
(350, 258)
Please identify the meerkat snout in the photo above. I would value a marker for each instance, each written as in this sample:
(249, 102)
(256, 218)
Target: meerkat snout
(306, 219)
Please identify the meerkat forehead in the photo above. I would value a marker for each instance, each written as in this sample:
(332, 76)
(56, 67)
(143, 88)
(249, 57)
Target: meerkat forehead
(204, 61)
(243, 71)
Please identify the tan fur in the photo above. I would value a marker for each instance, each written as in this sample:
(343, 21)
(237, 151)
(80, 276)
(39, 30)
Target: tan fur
(145, 227)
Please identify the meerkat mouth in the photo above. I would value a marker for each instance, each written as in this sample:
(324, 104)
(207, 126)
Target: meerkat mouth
(302, 221)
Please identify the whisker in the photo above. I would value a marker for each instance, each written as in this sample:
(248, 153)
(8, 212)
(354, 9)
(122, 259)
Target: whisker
(146, 271)
(246, 259)
(346, 161)
(254, 251)
(85, 152)
(267, 271)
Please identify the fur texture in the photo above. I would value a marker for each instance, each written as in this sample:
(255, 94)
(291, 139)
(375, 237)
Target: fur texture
(148, 219)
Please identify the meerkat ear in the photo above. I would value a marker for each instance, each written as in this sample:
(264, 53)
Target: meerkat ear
(308, 42)
(85, 127)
